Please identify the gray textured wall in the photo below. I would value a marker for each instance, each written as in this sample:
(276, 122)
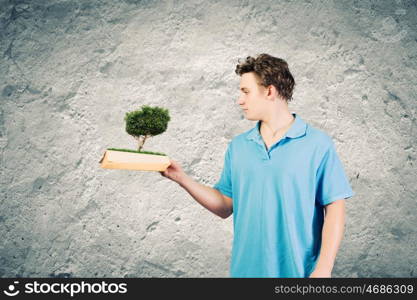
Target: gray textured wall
(69, 71)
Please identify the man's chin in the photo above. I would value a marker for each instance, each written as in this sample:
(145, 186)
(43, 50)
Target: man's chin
(249, 117)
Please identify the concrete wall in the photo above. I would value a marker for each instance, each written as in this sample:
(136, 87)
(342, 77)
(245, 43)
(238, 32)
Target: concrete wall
(69, 70)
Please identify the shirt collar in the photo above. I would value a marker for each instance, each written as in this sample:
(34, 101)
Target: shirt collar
(297, 129)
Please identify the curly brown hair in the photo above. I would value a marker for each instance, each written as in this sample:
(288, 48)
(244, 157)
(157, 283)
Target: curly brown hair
(271, 70)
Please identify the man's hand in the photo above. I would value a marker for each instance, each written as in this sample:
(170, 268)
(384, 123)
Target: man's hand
(321, 274)
(174, 172)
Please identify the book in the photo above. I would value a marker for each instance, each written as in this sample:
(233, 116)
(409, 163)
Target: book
(112, 159)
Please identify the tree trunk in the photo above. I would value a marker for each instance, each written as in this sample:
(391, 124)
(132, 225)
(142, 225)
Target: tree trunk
(142, 142)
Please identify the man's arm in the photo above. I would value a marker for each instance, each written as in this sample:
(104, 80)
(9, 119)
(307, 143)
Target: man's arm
(332, 234)
(207, 196)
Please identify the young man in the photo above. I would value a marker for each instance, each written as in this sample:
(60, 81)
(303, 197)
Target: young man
(282, 180)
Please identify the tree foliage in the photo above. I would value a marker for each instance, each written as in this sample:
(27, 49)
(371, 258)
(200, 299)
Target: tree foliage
(148, 121)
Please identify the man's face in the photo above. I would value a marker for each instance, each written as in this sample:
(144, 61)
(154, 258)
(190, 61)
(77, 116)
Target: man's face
(252, 99)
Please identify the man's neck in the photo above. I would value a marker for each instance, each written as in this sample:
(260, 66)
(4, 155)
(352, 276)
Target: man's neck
(275, 123)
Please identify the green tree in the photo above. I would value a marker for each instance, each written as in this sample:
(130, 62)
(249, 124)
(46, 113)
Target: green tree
(146, 122)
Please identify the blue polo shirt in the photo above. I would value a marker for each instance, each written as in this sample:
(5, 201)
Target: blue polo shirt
(278, 197)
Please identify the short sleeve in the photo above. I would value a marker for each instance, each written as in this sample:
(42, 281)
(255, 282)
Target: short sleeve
(224, 184)
(332, 183)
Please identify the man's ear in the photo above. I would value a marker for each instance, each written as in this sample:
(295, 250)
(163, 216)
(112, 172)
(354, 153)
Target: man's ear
(272, 92)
